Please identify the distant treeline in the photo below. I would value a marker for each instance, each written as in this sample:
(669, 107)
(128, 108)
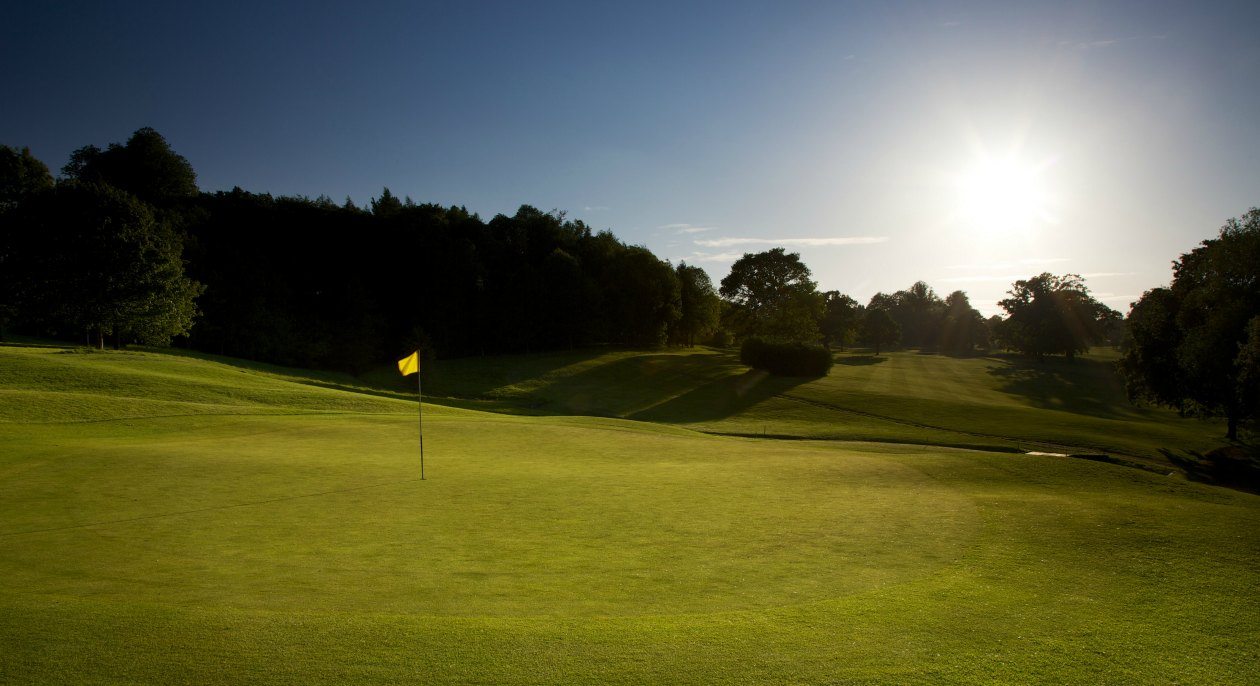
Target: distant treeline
(309, 283)
(123, 248)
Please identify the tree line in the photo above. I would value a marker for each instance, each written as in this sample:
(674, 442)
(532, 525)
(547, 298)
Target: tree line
(123, 247)
(770, 295)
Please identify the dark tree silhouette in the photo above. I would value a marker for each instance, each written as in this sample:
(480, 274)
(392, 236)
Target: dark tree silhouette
(772, 297)
(841, 315)
(963, 328)
(918, 312)
(94, 260)
(879, 330)
(1051, 315)
(21, 175)
(699, 305)
(145, 166)
(387, 205)
(1192, 346)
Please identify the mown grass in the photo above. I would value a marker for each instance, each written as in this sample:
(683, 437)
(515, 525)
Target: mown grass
(905, 397)
(254, 529)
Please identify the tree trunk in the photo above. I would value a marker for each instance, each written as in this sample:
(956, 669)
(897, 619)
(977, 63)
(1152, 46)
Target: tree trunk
(1231, 427)
(100, 339)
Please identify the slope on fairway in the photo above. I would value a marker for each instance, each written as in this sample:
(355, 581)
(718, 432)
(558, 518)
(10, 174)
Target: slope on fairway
(53, 383)
(995, 401)
(292, 542)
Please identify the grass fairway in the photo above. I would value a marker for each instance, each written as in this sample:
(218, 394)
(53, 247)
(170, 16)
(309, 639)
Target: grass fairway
(166, 519)
(996, 401)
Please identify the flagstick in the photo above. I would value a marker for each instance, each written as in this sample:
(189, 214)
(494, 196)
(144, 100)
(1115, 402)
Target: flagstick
(420, 393)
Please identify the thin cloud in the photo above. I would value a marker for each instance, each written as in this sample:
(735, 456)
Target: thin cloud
(710, 257)
(685, 228)
(1012, 278)
(984, 278)
(1107, 42)
(596, 208)
(1011, 264)
(727, 241)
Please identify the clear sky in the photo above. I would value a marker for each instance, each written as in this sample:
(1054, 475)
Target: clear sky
(966, 144)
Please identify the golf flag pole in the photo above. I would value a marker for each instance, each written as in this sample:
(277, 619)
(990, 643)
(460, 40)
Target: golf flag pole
(411, 365)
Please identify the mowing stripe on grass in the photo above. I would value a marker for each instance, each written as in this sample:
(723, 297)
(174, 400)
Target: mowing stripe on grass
(205, 509)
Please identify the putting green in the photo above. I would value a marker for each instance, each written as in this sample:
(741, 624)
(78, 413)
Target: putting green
(517, 517)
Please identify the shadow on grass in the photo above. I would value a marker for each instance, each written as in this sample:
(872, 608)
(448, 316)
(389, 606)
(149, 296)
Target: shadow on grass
(860, 360)
(720, 398)
(338, 381)
(478, 377)
(462, 379)
(629, 386)
(1235, 466)
(14, 342)
(1081, 386)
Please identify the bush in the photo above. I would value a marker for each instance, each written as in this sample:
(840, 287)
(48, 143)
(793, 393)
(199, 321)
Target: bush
(785, 359)
(722, 339)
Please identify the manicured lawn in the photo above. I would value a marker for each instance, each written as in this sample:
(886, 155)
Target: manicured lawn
(906, 397)
(167, 519)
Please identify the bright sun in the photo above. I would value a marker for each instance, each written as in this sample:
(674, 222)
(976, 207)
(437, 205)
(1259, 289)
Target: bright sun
(1000, 196)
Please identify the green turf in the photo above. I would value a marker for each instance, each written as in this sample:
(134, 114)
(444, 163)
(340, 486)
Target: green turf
(168, 519)
(908, 397)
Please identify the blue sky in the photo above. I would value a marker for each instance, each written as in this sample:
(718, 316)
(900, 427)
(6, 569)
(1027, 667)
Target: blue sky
(965, 144)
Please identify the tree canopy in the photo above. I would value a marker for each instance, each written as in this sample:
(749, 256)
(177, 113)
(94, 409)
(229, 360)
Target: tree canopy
(773, 297)
(1193, 346)
(879, 330)
(1052, 315)
(144, 166)
(21, 175)
(963, 329)
(840, 319)
(92, 259)
(698, 306)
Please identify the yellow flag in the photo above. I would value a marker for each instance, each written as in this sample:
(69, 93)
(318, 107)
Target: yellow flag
(409, 364)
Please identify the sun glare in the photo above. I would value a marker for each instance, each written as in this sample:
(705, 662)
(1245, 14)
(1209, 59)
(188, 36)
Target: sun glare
(998, 196)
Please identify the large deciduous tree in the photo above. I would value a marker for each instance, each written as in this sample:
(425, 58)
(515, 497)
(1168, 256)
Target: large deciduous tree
(1051, 315)
(94, 260)
(919, 312)
(1194, 345)
(144, 166)
(699, 306)
(21, 175)
(879, 330)
(963, 328)
(841, 315)
(773, 297)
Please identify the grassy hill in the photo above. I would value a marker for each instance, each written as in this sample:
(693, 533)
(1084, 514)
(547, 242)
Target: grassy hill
(170, 518)
(996, 401)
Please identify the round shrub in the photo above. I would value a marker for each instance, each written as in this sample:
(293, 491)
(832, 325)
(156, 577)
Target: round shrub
(785, 359)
